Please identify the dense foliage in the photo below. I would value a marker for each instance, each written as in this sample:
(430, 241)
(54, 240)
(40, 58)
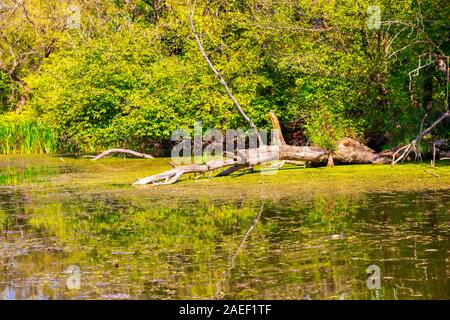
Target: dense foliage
(132, 72)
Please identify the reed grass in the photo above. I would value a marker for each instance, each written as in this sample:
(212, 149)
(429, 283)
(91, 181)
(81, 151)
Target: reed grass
(26, 136)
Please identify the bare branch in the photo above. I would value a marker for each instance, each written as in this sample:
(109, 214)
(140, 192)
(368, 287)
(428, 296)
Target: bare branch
(221, 79)
(434, 124)
(405, 150)
(414, 27)
(404, 47)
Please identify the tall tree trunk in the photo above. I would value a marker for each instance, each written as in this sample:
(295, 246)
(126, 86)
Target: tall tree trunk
(24, 95)
(156, 9)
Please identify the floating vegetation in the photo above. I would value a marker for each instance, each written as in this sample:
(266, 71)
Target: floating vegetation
(63, 218)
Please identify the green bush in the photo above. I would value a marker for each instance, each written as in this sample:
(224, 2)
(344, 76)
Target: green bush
(325, 129)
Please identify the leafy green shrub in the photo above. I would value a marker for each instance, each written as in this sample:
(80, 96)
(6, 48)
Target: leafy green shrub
(325, 129)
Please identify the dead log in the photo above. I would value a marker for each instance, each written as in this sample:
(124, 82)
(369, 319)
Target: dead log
(351, 151)
(172, 176)
(126, 151)
(347, 151)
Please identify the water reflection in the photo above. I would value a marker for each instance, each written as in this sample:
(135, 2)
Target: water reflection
(83, 245)
(15, 170)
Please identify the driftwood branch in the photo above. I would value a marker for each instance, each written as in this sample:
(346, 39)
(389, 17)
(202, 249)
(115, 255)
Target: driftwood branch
(405, 150)
(126, 151)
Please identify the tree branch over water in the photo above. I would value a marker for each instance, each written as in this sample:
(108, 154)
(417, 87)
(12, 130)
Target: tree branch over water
(191, 12)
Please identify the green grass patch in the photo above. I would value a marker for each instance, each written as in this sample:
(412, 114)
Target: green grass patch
(23, 135)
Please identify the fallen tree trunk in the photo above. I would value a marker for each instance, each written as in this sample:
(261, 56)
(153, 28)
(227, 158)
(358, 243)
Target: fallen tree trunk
(252, 158)
(126, 151)
(348, 151)
(351, 151)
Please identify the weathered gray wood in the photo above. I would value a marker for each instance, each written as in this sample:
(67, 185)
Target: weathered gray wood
(348, 151)
(405, 150)
(126, 151)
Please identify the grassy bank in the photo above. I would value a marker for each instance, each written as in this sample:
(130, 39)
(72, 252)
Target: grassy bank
(115, 175)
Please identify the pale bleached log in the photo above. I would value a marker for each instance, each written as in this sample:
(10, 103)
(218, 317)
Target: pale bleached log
(125, 151)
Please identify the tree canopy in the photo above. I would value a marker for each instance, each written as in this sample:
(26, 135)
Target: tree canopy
(130, 72)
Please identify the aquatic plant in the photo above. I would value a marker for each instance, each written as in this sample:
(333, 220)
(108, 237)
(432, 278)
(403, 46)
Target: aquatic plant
(24, 135)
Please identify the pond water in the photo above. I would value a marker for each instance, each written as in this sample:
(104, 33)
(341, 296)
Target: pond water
(64, 236)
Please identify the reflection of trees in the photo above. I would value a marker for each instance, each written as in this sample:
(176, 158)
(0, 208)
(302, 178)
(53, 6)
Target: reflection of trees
(303, 261)
(16, 175)
(219, 287)
(13, 210)
(148, 251)
(21, 273)
(172, 244)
